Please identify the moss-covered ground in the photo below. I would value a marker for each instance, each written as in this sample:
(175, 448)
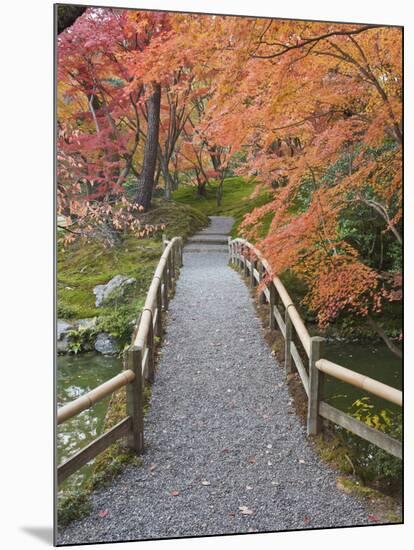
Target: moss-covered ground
(239, 198)
(85, 264)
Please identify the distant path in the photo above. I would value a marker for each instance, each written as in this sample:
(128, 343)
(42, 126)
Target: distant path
(222, 434)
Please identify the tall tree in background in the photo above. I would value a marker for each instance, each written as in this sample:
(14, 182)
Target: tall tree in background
(144, 195)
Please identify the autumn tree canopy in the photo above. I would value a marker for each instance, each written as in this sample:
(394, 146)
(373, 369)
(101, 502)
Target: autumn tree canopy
(312, 110)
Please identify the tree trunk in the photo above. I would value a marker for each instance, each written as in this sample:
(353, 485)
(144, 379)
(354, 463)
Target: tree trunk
(169, 182)
(201, 189)
(219, 193)
(67, 15)
(144, 194)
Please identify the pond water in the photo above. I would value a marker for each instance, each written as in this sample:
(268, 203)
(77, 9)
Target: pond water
(373, 360)
(76, 375)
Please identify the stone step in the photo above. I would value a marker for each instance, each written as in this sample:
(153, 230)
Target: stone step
(208, 239)
(199, 247)
(213, 233)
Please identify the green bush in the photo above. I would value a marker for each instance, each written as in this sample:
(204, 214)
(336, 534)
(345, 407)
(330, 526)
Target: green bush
(81, 339)
(371, 462)
(73, 505)
(119, 321)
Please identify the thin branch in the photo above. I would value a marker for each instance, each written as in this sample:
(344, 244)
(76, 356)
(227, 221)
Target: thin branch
(307, 41)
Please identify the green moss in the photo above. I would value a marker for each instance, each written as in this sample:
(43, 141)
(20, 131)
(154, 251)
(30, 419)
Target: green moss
(236, 201)
(73, 505)
(179, 219)
(85, 264)
(392, 517)
(334, 452)
(147, 398)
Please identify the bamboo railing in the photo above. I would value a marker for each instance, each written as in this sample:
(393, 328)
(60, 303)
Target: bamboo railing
(254, 265)
(139, 362)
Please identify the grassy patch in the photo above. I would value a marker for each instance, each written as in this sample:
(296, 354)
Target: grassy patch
(180, 219)
(237, 200)
(84, 265)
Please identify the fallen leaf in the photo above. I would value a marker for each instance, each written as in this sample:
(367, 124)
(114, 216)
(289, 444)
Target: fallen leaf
(249, 487)
(373, 517)
(152, 467)
(252, 460)
(225, 450)
(175, 493)
(103, 513)
(306, 519)
(301, 461)
(232, 514)
(245, 510)
(205, 482)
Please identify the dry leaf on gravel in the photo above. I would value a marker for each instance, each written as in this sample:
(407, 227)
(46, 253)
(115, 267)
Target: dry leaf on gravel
(245, 511)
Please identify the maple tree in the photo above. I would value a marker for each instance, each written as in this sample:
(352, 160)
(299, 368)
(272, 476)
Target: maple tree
(313, 109)
(317, 107)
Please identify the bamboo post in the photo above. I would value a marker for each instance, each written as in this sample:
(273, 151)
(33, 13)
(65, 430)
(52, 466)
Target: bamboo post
(272, 303)
(288, 340)
(252, 266)
(165, 289)
(134, 393)
(181, 252)
(173, 264)
(262, 297)
(246, 269)
(158, 327)
(314, 420)
(151, 355)
(169, 274)
(229, 247)
(164, 241)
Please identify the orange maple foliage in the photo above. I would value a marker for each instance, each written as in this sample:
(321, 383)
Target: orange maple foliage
(314, 109)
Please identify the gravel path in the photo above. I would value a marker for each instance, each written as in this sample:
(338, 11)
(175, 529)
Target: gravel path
(225, 451)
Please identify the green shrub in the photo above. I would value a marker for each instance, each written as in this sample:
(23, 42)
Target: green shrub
(371, 462)
(72, 505)
(81, 339)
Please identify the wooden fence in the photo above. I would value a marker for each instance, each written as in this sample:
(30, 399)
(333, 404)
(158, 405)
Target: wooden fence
(244, 255)
(139, 360)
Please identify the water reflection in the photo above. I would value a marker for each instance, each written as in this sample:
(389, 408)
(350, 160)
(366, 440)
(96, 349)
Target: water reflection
(375, 361)
(76, 375)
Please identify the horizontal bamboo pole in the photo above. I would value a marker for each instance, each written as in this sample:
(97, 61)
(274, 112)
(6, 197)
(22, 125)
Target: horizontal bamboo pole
(144, 364)
(89, 452)
(378, 438)
(300, 367)
(97, 394)
(150, 305)
(279, 320)
(360, 381)
(284, 296)
(143, 329)
(155, 319)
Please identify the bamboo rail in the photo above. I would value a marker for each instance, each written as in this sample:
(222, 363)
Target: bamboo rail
(254, 265)
(138, 370)
(360, 381)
